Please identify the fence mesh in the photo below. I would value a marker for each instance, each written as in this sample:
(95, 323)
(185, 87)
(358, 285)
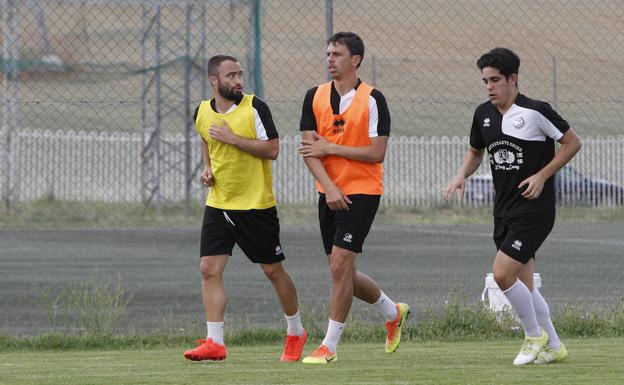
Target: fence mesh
(98, 149)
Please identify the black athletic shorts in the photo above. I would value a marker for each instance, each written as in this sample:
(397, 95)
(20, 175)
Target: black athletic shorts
(520, 236)
(347, 228)
(256, 232)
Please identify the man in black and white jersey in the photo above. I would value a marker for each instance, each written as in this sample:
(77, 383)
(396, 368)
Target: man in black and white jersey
(519, 134)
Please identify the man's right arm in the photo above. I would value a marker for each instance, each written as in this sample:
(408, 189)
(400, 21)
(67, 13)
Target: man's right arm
(472, 161)
(206, 177)
(335, 198)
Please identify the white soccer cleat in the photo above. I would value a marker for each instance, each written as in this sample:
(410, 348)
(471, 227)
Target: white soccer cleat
(530, 349)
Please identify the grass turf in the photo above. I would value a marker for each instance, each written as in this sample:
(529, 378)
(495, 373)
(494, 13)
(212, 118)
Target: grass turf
(595, 360)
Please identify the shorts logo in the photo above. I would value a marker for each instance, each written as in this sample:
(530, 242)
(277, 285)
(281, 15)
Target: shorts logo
(348, 237)
(227, 218)
(486, 122)
(278, 250)
(517, 245)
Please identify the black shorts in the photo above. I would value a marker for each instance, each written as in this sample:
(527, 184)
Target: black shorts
(347, 228)
(256, 232)
(520, 236)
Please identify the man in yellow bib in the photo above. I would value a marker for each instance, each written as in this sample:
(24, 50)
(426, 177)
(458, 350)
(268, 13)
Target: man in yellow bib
(239, 142)
(345, 126)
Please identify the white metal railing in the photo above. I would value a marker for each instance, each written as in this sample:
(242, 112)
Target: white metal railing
(87, 166)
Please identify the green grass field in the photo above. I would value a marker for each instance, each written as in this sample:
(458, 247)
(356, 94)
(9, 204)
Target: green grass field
(591, 361)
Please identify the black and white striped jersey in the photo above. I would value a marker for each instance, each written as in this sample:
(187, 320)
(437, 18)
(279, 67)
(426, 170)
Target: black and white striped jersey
(519, 144)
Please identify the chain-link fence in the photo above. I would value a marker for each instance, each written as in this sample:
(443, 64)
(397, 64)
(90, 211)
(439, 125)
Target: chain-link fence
(105, 167)
(97, 104)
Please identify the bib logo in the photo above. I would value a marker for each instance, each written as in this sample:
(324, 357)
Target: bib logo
(338, 126)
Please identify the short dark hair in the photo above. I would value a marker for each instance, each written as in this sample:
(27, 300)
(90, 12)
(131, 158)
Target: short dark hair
(354, 43)
(215, 61)
(503, 59)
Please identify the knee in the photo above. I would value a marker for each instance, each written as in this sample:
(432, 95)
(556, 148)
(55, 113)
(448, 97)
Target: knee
(273, 271)
(341, 270)
(209, 270)
(504, 280)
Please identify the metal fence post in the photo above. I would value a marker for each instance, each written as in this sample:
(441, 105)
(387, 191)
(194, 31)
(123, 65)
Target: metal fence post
(329, 23)
(10, 71)
(188, 119)
(257, 52)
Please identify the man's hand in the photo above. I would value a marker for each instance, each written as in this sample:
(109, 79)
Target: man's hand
(336, 199)
(206, 177)
(317, 148)
(457, 183)
(222, 133)
(534, 186)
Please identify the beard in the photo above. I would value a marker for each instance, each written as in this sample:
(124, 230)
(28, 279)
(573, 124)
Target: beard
(229, 93)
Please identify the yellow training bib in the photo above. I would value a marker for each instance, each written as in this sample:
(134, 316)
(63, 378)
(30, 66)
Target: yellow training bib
(241, 180)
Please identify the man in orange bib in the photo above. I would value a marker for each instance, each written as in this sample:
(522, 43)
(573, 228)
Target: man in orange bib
(345, 126)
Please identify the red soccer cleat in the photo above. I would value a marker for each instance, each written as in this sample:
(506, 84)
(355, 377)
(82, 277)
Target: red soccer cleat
(207, 350)
(293, 347)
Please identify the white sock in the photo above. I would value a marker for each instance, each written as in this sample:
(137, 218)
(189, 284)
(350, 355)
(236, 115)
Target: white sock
(332, 337)
(215, 331)
(542, 312)
(521, 301)
(387, 307)
(295, 328)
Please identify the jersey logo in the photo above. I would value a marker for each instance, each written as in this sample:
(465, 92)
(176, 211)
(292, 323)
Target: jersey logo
(518, 122)
(504, 156)
(338, 126)
(486, 122)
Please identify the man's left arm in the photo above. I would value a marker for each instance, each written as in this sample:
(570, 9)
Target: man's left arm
(570, 145)
(265, 149)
